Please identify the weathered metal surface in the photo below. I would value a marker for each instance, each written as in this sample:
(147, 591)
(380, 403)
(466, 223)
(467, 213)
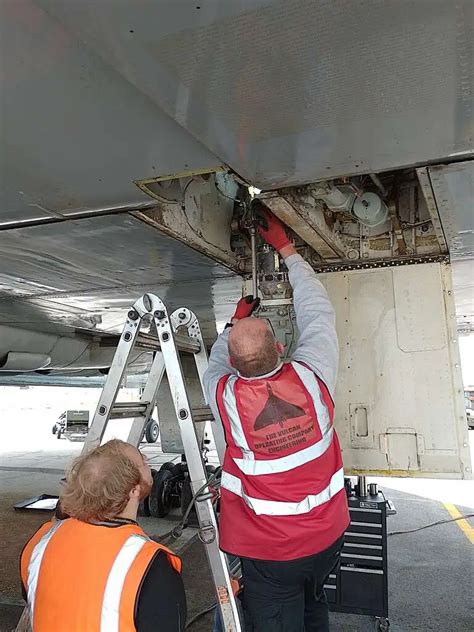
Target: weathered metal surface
(374, 264)
(427, 191)
(308, 223)
(334, 232)
(75, 132)
(463, 283)
(392, 360)
(197, 212)
(344, 94)
(453, 189)
(87, 273)
(58, 218)
(99, 95)
(52, 379)
(449, 193)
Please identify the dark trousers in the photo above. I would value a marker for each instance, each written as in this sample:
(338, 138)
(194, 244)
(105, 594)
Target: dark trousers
(288, 596)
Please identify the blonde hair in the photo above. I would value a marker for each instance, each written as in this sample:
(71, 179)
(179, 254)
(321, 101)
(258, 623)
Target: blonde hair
(99, 483)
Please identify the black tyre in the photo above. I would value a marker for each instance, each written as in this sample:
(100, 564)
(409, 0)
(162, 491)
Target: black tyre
(152, 431)
(180, 469)
(54, 429)
(159, 500)
(144, 508)
(59, 433)
(169, 466)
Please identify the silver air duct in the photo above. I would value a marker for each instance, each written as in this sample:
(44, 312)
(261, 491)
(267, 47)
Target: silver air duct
(368, 208)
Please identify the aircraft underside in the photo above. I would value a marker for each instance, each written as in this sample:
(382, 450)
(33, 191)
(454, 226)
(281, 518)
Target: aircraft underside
(131, 133)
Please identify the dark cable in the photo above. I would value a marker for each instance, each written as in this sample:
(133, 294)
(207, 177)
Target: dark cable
(432, 524)
(200, 614)
(178, 529)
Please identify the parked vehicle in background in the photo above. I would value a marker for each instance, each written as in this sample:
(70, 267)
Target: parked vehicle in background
(72, 424)
(469, 402)
(470, 418)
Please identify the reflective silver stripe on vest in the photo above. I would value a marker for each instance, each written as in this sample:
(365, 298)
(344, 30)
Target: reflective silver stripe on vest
(110, 617)
(279, 508)
(311, 384)
(34, 566)
(236, 429)
(286, 463)
(253, 467)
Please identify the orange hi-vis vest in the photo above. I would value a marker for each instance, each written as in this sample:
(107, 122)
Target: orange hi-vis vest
(84, 577)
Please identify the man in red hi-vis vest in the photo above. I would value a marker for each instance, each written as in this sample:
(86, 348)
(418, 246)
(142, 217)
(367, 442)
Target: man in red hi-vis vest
(283, 507)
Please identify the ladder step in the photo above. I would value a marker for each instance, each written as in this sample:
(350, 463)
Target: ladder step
(202, 413)
(125, 410)
(183, 342)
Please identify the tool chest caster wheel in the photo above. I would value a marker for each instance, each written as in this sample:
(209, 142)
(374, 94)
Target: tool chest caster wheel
(382, 624)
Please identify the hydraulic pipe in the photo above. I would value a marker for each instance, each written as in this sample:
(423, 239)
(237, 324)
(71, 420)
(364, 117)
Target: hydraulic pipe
(376, 180)
(253, 248)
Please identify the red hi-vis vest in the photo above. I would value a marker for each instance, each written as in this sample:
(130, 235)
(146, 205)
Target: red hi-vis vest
(82, 577)
(283, 493)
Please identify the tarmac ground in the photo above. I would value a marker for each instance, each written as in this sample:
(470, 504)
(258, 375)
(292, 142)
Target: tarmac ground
(430, 571)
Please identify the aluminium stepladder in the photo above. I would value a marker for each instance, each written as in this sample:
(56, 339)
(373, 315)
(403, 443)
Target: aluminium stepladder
(166, 342)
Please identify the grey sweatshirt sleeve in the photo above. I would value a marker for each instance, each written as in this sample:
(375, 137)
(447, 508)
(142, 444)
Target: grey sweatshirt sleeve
(218, 367)
(315, 318)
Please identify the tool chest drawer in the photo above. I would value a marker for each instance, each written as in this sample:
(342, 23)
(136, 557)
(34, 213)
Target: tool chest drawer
(364, 515)
(360, 585)
(362, 590)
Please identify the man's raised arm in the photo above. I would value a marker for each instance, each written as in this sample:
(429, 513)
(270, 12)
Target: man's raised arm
(317, 345)
(218, 367)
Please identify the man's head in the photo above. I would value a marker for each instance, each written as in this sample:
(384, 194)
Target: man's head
(107, 481)
(253, 349)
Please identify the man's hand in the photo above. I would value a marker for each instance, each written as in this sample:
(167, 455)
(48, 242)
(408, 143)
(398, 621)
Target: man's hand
(245, 307)
(271, 228)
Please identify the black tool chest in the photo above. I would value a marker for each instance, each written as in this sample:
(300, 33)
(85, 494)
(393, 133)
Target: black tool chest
(359, 585)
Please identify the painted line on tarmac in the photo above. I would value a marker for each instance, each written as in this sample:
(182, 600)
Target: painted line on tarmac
(462, 524)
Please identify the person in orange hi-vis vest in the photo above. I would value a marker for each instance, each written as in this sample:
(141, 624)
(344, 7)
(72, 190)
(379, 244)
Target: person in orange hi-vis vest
(96, 570)
(283, 502)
